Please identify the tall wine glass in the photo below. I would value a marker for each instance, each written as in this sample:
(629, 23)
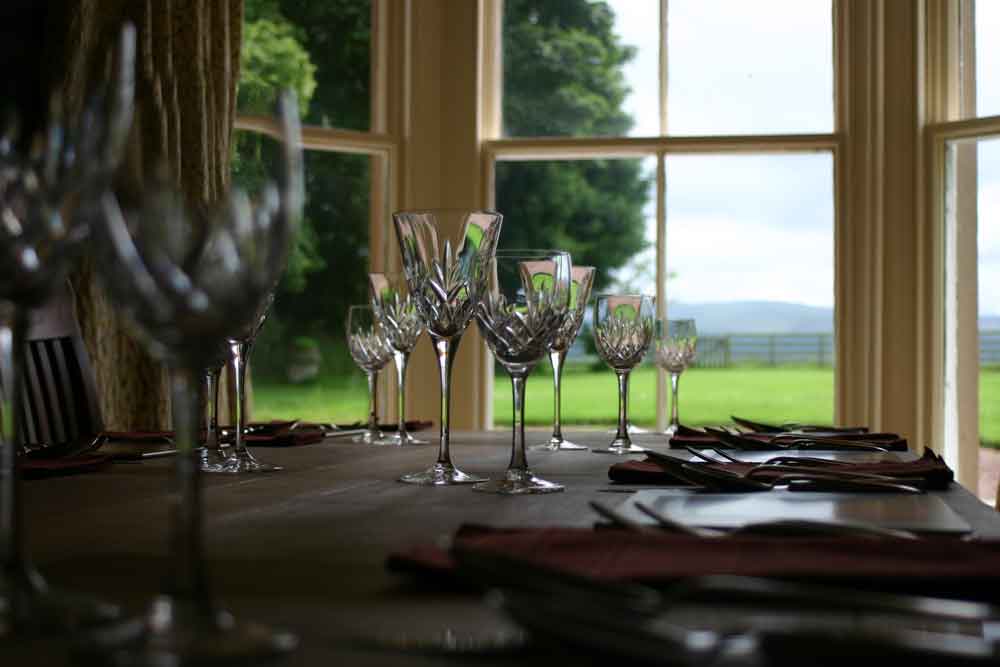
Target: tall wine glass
(241, 459)
(403, 326)
(524, 307)
(187, 288)
(445, 253)
(69, 164)
(675, 349)
(623, 329)
(582, 281)
(369, 347)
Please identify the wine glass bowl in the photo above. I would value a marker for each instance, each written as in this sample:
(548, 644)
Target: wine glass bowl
(370, 349)
(525, 305)
(676, 343)
(623, 330)
(403, 325)
(582, 280)
(444, 254)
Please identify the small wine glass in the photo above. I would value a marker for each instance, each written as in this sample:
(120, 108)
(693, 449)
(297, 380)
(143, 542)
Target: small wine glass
(216, 451)
(369, 347)
(623, 329)
(676, 341)
(397, 312)
(187, 287)
(582, 281)
(241, 460)
(445, 253)
(525, 306)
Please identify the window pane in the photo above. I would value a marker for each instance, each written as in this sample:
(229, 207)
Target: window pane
(750, 67)
(988, 242)
(580, 68)
(987, 58)
(319, 48)
(598, 211)
(750, 258)
(301, 367)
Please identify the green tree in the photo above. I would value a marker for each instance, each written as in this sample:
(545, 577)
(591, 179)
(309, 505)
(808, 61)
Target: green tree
(563, 77)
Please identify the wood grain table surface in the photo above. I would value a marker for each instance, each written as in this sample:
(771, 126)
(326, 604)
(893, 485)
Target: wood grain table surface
(304, 549)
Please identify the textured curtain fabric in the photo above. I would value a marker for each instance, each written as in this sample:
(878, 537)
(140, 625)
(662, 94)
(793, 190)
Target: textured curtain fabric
(187, 70)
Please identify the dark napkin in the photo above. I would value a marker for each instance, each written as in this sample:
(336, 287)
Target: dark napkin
(31, 468)
(281, 434)
(933, 565)
(690, 437)
(931, 468)
(411, 425)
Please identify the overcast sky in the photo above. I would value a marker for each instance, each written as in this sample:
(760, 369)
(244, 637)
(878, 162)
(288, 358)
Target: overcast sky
(761, 227)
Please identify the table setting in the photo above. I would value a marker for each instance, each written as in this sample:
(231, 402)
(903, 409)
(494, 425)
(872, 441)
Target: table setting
(746, 543)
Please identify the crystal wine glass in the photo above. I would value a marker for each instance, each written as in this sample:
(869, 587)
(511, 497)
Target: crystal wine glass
(445, 253)
(582, 281)
(623, 329)
(371, 351)
(67, 164)
(241, 459)
(675, 349)
(187, 287)
(397, 312)
(525, 306)
(215, 453)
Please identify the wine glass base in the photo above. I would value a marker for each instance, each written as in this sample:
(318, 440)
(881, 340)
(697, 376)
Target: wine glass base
(620, 448)
(43, 612)
(516, 483)
(177, 634)
(399, 440)
(243, 463)
(212, 459)
(370, 438)
(558, 445)
(441, 474)
(632, 429)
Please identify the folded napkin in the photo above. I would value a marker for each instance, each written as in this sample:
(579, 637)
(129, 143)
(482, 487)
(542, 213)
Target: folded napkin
(933, 565)
(691, 437)
(282, 434)
(31, 468)
(930, 468)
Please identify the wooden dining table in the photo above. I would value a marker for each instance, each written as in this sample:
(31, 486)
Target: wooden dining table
(305, 549)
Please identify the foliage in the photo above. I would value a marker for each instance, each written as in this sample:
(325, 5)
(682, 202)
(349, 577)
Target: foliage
(563, 77)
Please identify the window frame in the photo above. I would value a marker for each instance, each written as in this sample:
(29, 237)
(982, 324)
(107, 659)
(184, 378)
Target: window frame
(497, 148)
(952, 219)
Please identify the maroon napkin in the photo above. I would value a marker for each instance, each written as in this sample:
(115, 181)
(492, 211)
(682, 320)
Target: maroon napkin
(930, 468)
(140, 436)
(71, 465)
(698, 439)
(932, 565)
(281, 434)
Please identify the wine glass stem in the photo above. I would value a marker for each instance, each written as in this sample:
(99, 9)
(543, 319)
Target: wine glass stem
(240, 352)
(557, 357)
(623, 405)
(518, 458)
(372, 416)
(188, 579)
(212, 398)
(401, 359)
(13, 544)
(675, 379)
(445, 349)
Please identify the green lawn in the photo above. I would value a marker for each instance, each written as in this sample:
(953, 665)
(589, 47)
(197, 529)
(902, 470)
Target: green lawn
(708, 396)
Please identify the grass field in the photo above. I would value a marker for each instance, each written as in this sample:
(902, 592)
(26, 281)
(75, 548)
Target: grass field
(708, 396)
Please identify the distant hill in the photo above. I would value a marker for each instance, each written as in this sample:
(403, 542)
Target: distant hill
(754, 317)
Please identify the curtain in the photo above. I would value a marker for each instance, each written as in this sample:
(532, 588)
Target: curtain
(188, 55)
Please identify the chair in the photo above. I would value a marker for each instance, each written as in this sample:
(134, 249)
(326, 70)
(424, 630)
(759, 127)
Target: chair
(60, 405)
